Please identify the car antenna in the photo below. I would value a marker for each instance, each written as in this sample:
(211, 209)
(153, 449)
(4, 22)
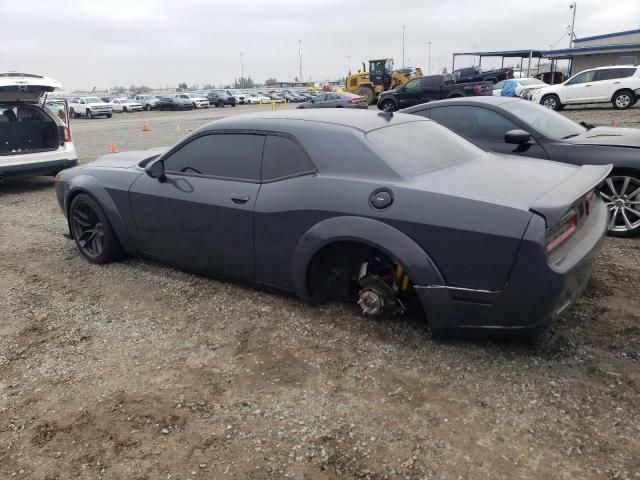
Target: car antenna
(387, 115)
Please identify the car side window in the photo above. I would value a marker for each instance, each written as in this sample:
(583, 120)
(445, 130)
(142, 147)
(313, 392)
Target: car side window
(583, 77)
(231, 156)
(626, 72)
(457, 118)
(606, 74)
(499, 85)
(491, 125)
(283, 158)
(319, 98)
(413, 85)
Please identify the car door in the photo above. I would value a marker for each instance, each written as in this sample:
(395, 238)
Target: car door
(605, 83)
(201, 216)
(486, 127)
(578, 88)
(408, 94)
(319, 101)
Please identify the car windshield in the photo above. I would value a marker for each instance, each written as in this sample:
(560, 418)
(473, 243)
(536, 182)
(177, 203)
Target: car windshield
(419, 147)
(549, 123)
(92, 100)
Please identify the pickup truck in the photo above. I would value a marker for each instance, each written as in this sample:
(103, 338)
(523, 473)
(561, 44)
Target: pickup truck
(89, 106)
(148, 101)
(425, 89)
(476, 74)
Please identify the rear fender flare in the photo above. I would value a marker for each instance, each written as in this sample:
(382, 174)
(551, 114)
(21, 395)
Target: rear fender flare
(91, 186)
(377, 234)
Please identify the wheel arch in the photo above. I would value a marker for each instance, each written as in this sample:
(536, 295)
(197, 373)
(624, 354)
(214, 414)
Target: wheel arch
(90, 186)
(620, 90)
(370, 232)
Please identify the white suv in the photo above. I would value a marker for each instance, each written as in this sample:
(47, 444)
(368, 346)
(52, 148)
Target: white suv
(619, 85)
(33, 139)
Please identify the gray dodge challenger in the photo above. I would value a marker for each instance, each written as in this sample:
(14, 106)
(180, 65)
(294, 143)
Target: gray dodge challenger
(390, 211)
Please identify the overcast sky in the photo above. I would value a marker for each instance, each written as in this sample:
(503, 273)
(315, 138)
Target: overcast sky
(104, 43)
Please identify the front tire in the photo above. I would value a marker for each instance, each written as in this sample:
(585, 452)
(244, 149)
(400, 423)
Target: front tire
(124, 109)
(109, 115)
(89, 113)
(552, 102)
(621, 193)
(624, 99)
(147, 107)
(92, 231)
(388, 106)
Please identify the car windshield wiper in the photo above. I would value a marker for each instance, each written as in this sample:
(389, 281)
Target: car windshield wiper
(570, 136)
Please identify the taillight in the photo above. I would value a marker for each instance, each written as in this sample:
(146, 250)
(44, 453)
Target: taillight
(353, 100)
(477, 89)
(559, 234)
(67, 135)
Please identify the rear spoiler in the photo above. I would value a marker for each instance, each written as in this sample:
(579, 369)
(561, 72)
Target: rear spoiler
(554, 204)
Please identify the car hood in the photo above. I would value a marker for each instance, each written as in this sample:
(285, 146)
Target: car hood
(99, 104)
(25, 87)
(526, 183)
(125, 159)
(612, 136)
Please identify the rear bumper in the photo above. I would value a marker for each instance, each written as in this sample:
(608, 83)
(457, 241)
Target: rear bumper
(50, 167)
(536, 294)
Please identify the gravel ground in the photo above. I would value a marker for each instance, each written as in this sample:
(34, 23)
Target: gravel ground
(139, 371)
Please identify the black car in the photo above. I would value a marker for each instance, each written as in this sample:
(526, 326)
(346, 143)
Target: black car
(390, 211)
(173, 103)
(516, 126)
(220, 98)
(426, 89)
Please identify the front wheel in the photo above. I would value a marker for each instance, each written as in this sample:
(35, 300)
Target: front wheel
(92, 231)
(552, 102)
(622, 100)
(388, 106)
(621, 193)
(124, 109)
(367, 93)
(89, 113)
(72, 113)
(109, 115)
(147, 107)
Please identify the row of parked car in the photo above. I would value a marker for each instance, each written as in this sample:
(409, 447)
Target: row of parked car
(93, 106)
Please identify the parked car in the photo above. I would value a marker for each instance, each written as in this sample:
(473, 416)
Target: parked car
(254, 98)
(196, 100)
(515, 126)
(90, 106)
(373, 208)
(519, 87)
(275, 97)
(618, 85)
(292, 97)
(220, 98)
(125, 105)
(425, 89)
(148, 102)
(34, 139)
(171, 102)
(476, 74)
(336, 100)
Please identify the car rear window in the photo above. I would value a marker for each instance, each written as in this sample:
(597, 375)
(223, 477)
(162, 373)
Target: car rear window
(416, 148)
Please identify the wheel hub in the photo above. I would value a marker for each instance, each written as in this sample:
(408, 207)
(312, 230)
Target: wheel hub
(371, 302)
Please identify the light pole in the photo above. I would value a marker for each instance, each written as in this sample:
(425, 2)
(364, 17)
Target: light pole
(241, 71)
(574, 7)
(403, 29)
(349, 64)
(300, 58)
(429, 61)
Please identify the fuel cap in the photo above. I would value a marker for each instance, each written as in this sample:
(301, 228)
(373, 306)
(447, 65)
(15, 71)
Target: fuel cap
(381, 198)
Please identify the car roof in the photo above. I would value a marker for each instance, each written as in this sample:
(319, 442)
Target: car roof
(363, 120)
(480, 100)
(610, 66)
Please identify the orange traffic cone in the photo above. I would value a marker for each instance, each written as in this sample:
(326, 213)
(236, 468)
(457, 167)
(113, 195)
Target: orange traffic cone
(145, 126)
(114, 149)
(613, 122)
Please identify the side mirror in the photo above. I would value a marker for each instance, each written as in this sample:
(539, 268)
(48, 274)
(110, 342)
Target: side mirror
(155, 169)
(517, 137)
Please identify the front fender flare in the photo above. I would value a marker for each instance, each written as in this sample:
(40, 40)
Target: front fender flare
(375, 233)
(92, 187)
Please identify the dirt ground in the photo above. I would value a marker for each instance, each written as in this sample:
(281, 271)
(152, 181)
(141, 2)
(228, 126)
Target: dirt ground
(138, 371)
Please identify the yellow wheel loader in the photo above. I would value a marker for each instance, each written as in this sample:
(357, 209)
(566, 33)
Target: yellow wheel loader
(379, 78)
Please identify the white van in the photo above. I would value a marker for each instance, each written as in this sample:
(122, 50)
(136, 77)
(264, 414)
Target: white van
(34, 139)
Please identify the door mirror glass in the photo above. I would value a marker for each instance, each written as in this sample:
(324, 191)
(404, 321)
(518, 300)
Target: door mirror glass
(517, 137)
(156, 170)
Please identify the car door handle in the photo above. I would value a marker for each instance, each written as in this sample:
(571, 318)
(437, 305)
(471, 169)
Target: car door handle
(239, 198)
(588, 85)
(617, 83)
